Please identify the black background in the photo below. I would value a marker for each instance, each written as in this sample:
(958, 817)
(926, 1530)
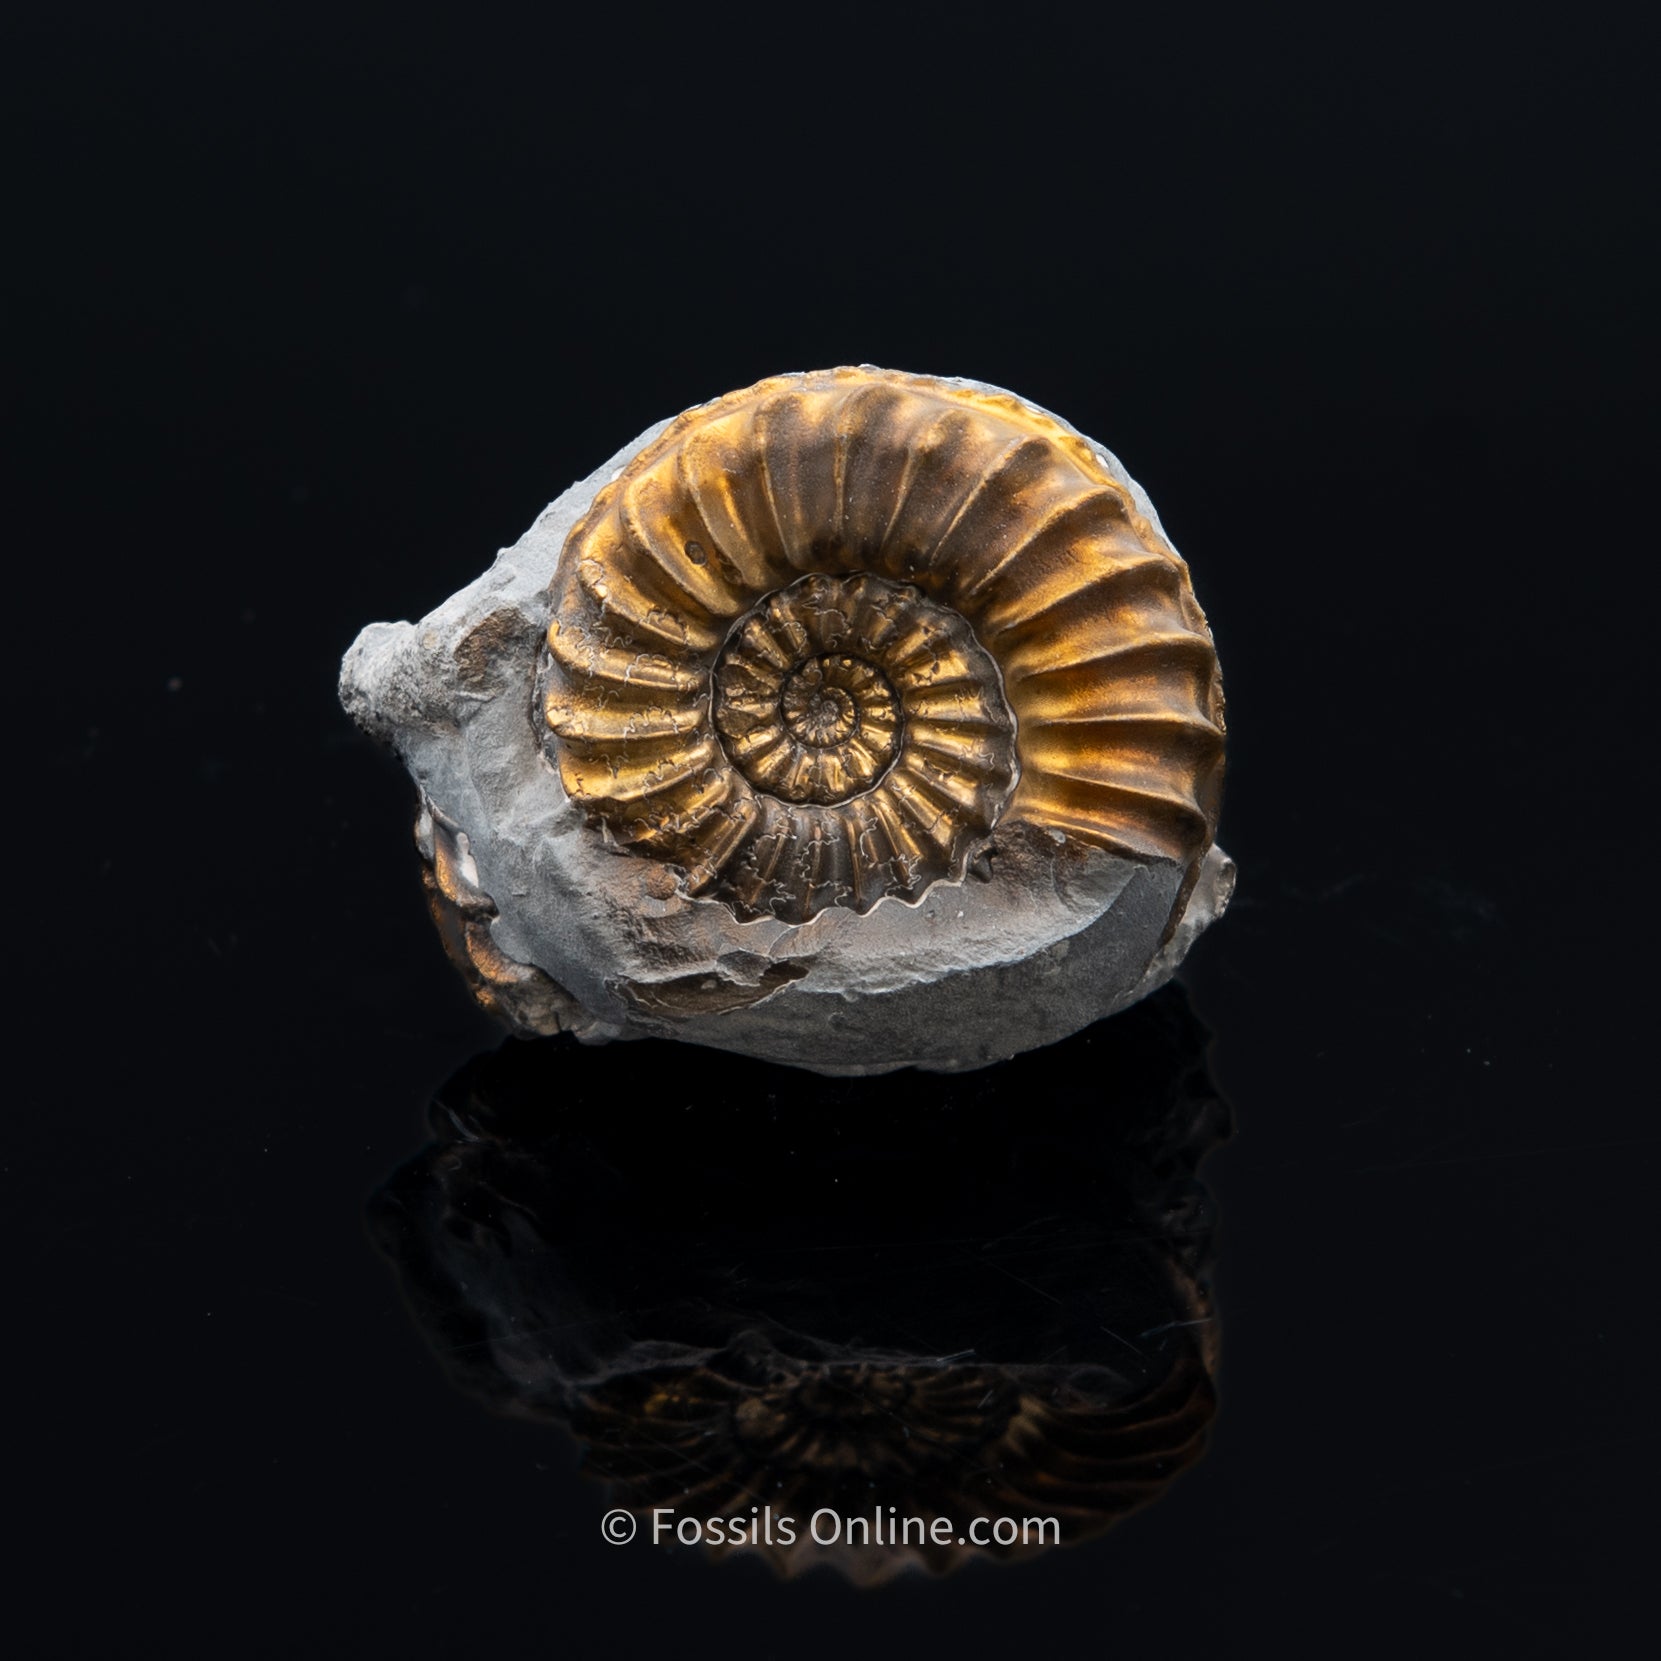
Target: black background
(315, 311)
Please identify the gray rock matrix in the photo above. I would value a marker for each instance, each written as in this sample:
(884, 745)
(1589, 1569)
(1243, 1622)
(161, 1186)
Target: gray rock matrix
(1057, 936)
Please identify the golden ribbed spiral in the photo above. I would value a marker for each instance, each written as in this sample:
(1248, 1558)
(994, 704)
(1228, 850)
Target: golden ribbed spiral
(822, 635)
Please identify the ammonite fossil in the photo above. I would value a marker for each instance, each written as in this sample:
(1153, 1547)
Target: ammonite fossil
(855, 719)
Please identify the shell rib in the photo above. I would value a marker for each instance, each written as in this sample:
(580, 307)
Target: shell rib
(822, 636)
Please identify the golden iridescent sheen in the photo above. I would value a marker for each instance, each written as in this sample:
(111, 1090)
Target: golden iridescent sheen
(821, 636)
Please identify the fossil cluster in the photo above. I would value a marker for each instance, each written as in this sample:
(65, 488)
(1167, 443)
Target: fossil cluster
(855, 719)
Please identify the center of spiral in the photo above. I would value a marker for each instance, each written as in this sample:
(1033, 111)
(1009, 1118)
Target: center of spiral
(816, 710)
(804, 712)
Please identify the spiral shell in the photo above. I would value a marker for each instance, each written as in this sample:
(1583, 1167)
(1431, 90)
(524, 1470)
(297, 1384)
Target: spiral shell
(822, 637)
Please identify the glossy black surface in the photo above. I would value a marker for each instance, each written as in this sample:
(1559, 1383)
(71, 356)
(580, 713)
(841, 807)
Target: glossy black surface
(757, 1296)
(314, 313)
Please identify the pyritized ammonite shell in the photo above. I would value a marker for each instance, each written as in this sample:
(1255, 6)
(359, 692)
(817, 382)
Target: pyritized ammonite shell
(821, 637)
(857, 720)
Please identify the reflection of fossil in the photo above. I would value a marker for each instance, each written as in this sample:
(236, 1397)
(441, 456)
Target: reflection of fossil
(901, 1295)
(893, 693)
(904, 1445)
